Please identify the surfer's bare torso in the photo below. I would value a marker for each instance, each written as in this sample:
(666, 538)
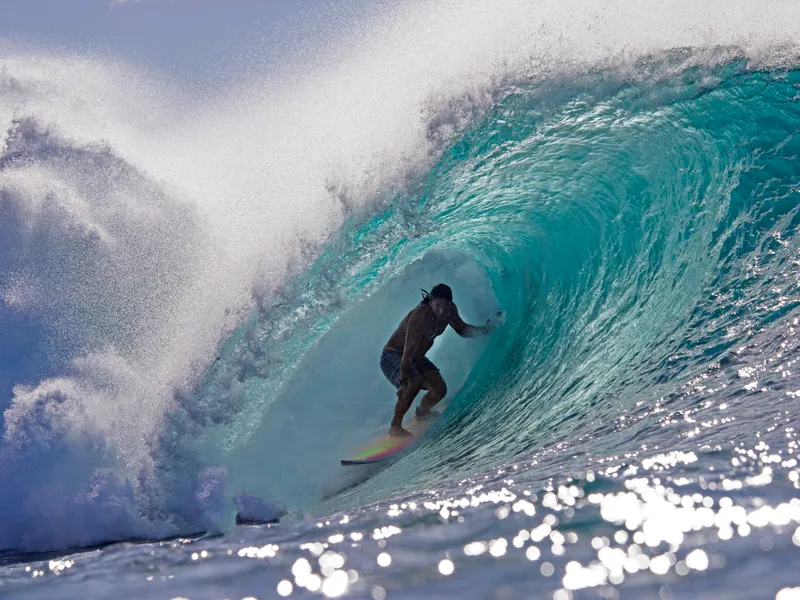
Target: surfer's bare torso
(420, 328)
(403, 359)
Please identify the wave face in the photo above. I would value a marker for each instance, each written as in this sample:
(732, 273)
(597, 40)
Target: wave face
(196, 297)
(641, 237)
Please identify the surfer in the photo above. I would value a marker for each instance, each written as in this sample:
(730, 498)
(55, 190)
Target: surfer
(403, 359)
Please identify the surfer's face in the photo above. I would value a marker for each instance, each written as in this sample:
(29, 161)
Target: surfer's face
(440, 307)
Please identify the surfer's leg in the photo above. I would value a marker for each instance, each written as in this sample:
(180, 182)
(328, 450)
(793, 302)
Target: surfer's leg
(437, 389)
(405, 396)
(390, 365)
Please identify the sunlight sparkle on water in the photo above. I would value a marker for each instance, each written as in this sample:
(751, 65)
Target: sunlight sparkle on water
(663, 523)
(384, 559)
(285, 587)
(336, 584)
(446, 567)
(378, 593)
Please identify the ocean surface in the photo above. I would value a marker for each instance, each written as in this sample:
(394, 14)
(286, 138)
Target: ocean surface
(195, 289)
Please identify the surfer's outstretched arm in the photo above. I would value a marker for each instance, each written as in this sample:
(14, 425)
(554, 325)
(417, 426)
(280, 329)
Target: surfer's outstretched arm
(466, 330)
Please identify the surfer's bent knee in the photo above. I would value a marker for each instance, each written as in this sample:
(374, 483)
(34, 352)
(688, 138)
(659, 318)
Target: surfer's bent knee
(436, 385)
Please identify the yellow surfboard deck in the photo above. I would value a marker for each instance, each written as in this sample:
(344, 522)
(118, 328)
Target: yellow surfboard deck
(388, 445)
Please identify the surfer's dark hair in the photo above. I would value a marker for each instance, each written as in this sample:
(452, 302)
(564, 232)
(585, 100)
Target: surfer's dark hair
(440, 290)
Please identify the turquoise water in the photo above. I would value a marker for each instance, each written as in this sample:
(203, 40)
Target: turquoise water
(629, 432)
(639, 235)
(641, 396)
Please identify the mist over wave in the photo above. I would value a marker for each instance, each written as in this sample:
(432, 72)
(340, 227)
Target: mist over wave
(175, 269)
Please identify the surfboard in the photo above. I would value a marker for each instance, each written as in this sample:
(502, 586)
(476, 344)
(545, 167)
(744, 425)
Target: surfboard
(387, 445)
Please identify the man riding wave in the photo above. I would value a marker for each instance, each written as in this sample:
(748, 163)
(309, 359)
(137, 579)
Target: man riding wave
(403, 359)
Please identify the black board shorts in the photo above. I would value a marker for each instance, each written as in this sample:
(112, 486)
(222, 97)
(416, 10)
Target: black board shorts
(390, 365)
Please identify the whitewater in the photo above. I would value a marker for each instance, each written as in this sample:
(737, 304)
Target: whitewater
(195, 289)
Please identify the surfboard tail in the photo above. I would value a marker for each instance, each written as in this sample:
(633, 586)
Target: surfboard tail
(387, 446)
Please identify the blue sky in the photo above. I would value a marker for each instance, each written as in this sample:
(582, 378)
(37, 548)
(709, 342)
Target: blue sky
(187, 39)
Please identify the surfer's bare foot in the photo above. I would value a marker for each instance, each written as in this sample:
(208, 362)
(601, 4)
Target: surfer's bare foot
(396, 431)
